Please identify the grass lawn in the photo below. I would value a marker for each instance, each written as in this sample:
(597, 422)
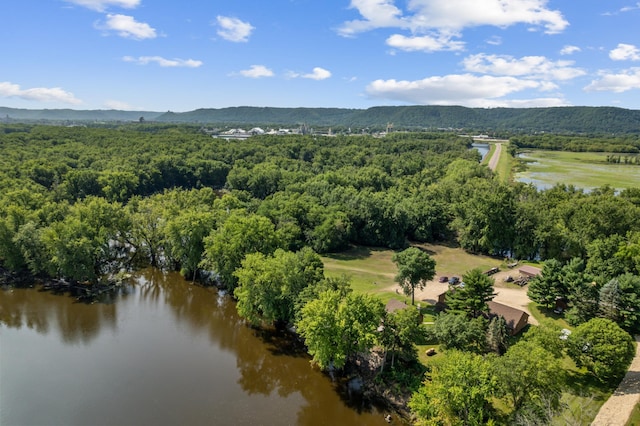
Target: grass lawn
(545, 314)
(582, 169)
(635, 417)
(372, 271)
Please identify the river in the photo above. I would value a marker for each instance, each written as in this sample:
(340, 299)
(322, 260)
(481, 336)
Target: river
(163, 352)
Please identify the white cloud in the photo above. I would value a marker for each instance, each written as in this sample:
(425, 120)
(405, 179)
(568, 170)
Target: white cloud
(625, 52)
(376, 14)
(423, 43)
(495, 41)
(42, 94)
(569, 50)
(127, 27)
(617, 83)
(456, 89)
(122, 106)
(257, 71)
(527, 66)
(630, 8)
(233, 29)
(102, 5)
(317, 74)
(451, 16)
(144, 60)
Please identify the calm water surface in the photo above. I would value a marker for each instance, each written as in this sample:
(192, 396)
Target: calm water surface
(162, 353)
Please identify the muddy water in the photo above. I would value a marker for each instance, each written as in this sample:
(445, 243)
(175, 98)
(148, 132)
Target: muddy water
(163, 352)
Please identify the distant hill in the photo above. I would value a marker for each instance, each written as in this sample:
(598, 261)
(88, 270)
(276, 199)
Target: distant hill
(601, 120)
(59, 115)
(555, 120)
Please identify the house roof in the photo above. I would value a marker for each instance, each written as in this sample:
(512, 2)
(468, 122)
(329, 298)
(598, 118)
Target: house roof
(395, 305)
(511, 315)
(532, 271)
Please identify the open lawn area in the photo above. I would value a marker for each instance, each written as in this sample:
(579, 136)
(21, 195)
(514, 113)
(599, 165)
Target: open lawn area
(635, 417)
(585, 170)
(372, 271)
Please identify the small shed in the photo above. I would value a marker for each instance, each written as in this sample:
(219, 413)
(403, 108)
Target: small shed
(516, 319)
(529, 271)
(394, 305)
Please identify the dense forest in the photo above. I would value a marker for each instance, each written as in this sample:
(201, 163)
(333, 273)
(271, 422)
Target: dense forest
(82, 205)
(573, 120)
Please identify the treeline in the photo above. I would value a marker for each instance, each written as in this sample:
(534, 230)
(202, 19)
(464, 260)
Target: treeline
(567, 120)
(617, 144)
(325, 193)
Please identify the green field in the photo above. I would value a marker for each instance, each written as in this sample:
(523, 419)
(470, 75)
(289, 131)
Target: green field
(582, 169)
(371, 270)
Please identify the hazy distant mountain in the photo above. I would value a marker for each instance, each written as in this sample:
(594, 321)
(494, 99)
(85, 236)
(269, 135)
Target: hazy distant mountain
(75, 115)
(556, 119)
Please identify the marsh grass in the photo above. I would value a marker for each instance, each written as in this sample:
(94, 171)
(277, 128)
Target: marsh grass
(585, 170)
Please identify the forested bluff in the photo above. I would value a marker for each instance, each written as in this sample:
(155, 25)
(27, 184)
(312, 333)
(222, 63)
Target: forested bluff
(84, 204)
(570, 119)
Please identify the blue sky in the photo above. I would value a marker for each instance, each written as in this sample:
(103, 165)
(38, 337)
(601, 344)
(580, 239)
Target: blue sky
(182, 55)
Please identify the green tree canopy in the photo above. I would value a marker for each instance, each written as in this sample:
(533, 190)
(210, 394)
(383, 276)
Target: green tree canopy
(239, 235)
(456, 392)
(454, 330)
(269, 286)
(415, 267)
(602, 347)
(336, 327)
(472, 297)
(526, 373)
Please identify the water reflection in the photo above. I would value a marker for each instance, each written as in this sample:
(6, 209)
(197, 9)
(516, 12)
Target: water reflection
(165, 352)
(75, 322)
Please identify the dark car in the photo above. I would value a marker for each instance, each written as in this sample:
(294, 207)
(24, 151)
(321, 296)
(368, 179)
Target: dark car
(454, 280)
(443, 279)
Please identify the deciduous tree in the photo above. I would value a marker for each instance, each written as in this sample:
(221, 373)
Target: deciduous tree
(415, 268)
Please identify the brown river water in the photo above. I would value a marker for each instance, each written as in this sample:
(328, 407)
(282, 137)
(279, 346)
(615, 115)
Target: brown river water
(163, 352)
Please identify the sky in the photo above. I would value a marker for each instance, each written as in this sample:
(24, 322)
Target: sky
(169, 55)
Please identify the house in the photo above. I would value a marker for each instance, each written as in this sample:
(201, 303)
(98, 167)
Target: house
(515, 318)
(529, 271)
(394, 305)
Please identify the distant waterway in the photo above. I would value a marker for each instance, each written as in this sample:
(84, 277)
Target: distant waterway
(163, 352)
(483, 149)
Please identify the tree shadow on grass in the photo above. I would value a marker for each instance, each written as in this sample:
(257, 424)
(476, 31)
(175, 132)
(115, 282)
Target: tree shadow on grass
(357, 252)
(583, 383)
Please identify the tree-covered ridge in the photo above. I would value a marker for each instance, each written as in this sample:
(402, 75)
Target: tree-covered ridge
(578, 120)
(617, 144)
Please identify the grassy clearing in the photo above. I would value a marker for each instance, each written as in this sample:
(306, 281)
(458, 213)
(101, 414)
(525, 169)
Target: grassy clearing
(544, 314)
(634, 420)
(582, 169)
(372, 271)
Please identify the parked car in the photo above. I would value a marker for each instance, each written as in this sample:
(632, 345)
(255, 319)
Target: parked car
(454, 280)
(443, 279)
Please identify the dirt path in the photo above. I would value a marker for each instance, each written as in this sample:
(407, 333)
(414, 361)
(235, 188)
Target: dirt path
(493, 162)
(617, 410)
